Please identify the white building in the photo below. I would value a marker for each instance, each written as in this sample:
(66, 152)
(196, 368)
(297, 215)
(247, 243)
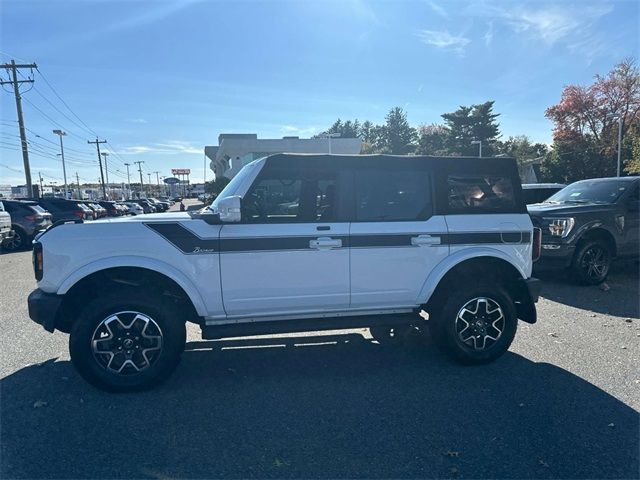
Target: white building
(235, 150)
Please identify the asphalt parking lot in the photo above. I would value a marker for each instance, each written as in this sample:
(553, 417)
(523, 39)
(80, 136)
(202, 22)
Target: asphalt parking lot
(563, 403)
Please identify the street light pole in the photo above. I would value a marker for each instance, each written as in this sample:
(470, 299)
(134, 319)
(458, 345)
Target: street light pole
(329, 136)
(128, 179)
(106, 171)
(60, 133)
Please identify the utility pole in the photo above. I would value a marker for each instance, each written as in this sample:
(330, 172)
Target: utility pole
(140, 162)
(40, 175)
(157, 182)
(14, 67)
(60, 133)
(78, 182)
(106, 168)
(97, 143)
(128, 178)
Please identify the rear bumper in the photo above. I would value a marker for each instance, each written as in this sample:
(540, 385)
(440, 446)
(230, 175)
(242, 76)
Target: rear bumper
(43, 308)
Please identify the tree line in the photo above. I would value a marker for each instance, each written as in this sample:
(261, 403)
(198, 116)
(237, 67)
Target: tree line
(585, 131)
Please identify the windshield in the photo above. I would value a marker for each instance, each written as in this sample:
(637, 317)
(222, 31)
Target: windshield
(234, 184)
(590, 191)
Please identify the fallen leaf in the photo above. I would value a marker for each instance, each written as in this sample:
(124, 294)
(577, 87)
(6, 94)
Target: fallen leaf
(279, 462)
(543, 463)
(623, 347)
(39, 403)
(553, 334)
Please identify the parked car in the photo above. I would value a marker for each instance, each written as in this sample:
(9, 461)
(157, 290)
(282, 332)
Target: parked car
(539, 192)
(6, 233)
(160, 206)
(89, 213)
(111, 208)
(134, 208)
(146, 205)
(61, 209)
(122, 208)
(27, 220)
(99, 211)
(374, 241)
(587, 224)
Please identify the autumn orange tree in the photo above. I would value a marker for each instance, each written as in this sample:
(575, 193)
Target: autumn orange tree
(585, 135)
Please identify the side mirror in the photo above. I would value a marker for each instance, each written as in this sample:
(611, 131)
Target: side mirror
(229, 209)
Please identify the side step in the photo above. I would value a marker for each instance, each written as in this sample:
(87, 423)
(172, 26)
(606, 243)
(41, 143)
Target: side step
(214, 332)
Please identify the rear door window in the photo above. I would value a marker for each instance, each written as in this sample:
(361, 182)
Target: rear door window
(480, 193)
(386, 195)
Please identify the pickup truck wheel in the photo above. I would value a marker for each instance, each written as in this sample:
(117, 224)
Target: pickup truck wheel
(591, 262)
(475, 326)
(127, 343)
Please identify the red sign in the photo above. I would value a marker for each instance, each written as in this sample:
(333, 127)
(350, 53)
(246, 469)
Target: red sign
(181, 171)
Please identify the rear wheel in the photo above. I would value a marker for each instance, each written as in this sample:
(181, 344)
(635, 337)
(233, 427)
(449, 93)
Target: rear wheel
(591, 262)
(475, 326)
(127, 343)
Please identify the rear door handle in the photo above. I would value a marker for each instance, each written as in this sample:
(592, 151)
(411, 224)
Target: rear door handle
(325, 243)
(425, 240)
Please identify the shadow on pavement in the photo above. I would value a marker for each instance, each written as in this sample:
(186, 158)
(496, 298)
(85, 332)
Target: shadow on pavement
(299, 407)
(621, 300)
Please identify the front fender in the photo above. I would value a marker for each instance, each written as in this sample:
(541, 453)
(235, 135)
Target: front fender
(141, 262)
(437, 274)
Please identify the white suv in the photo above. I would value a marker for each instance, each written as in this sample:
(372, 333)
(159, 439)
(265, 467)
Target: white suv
(298, 243)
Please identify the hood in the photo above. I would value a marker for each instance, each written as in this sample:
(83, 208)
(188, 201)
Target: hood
(562, 209)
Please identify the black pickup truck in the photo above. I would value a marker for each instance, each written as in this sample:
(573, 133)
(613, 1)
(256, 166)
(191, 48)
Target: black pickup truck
(587, 224)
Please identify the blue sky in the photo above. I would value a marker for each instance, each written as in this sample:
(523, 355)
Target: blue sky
(161, 79)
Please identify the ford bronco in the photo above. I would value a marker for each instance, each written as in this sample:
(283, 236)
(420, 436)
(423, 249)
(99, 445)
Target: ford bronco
(298, 243)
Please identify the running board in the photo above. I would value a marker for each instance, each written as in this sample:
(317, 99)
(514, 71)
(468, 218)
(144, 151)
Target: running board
(214, 332)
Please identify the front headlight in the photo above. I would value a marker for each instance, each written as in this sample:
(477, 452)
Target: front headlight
(560, 227)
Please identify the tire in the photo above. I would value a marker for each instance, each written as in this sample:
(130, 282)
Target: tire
(591, 262)
(19, 241)
(126, 342)
(495, 324)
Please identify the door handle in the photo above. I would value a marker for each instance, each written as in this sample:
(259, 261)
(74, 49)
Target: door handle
(422, 240)
(325, 243)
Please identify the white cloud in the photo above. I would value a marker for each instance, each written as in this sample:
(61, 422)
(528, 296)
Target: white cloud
(438, 9)
(488, 36)
(549, 23)
(137, 120)
(170, 147)
(444, 40)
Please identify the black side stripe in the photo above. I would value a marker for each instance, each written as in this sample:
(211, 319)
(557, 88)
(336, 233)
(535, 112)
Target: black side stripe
(183, 239)
(190, 243)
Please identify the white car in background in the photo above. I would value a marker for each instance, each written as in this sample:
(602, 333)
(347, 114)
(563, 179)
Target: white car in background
(134, 208)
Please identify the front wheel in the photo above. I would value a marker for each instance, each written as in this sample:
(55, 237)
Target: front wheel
(591, 262)
(476, 325)
(127, 343)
